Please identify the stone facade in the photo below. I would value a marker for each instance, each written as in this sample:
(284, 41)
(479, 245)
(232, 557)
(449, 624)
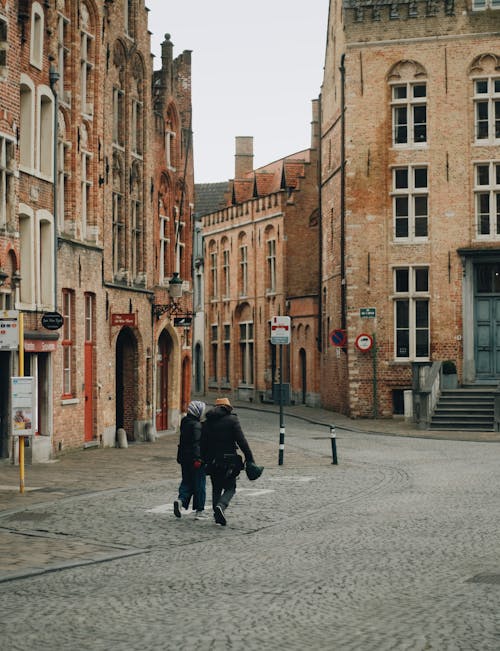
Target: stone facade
(261, 260)
(120, 172)
(410, 187)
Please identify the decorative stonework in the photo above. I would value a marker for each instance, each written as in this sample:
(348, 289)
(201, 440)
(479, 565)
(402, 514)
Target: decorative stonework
(399, 9)
(406, 70)
(487, 63)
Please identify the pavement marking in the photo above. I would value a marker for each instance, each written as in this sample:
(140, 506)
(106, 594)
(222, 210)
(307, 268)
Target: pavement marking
(250, 492)
(254, 492)
(167, 508)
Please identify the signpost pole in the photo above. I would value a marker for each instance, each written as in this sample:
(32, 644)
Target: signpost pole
(374, 357)
(21, 373)
(282, 418)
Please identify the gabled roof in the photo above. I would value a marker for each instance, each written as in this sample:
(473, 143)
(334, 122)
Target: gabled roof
(210, 197)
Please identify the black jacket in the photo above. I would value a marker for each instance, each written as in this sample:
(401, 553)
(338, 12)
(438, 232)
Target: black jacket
(222, 434)
(189, 441)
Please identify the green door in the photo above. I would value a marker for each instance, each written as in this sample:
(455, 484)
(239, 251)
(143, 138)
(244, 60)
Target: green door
(487, 321)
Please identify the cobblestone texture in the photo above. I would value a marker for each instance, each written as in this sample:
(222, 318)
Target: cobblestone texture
(376, 553)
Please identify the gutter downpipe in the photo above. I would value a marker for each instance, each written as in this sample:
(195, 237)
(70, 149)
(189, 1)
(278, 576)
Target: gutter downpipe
(320, 210)
(343, 297)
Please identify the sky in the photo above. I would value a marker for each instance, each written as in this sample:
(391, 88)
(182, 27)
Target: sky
(256, 67)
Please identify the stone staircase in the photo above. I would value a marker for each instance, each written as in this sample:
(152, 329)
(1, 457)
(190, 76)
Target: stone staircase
(467, 408)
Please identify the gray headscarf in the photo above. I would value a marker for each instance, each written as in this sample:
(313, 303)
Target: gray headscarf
(196, 408)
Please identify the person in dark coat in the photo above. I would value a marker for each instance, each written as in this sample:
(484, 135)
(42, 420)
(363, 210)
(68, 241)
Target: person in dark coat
(193, 482)
(221, 436)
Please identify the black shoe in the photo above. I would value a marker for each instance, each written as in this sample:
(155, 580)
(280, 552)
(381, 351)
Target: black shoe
(177, 508)
(219, 516)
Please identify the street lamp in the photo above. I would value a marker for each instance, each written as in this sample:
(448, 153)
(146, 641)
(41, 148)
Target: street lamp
(53, 79)
(173, 307)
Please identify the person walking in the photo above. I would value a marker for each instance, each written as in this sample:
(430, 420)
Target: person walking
(193, 482)
(221, 436)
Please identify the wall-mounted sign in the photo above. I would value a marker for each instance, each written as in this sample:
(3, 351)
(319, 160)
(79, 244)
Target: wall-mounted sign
(23, 405)
(367, 312)
(338, 337)
(39, 346)
(127, 319)
(364, 342)
(52, 320)
(182, 321)
(9, 330)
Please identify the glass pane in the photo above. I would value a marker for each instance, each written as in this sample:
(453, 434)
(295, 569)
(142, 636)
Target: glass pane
(421, 227)
(399, 92)
(483, 174)
(420, 177)
(401, 206)
(401, 280)
(420, 133)
(422, 314)
(402, 314)
(422, 343)
(419, 90)
(400, 124)
(421, 280)
(497, 119)
(481, 86)
(497, 174)
(484, 279)
(497, 197)
(483, 214)
(420, 206)
(402, 343)
(496, 85)
(401, 227)
(401, 178)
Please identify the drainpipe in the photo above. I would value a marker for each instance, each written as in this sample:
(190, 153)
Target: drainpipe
(320, 224)
(53, 79)
(343, 297)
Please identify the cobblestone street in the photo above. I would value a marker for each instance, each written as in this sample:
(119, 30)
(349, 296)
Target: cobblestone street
(394, 548)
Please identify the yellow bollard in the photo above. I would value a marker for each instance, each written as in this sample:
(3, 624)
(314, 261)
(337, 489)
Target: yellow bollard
(21, 464)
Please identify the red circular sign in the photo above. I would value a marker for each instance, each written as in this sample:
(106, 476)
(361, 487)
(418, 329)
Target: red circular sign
(364, 342)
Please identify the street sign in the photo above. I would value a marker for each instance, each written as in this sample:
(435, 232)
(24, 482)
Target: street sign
(182, 321)
(280, 330)
(363, 342)
(123, 319)
(338, 337)
(368, 312)
(52, 320)
(9, 330)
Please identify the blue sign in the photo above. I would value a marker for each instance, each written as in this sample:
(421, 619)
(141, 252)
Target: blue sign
(338, 337)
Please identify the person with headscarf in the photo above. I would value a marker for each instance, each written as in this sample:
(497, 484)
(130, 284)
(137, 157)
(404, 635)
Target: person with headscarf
(221, 437)
(193, 484)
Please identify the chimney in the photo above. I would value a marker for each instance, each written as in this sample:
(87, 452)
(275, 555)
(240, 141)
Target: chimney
(315, 125)
(243, 159)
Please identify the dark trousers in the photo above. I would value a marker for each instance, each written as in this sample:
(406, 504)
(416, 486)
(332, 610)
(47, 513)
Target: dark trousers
(223, 489)
(192, 485)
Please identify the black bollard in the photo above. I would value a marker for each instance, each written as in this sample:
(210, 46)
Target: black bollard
(333, 438)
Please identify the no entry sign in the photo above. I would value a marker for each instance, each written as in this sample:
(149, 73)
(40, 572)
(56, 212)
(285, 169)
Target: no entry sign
(363, 342)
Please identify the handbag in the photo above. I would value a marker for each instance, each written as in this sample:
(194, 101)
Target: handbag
(253, 470)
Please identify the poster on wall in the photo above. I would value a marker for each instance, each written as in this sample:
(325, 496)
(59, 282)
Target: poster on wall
(23, 405)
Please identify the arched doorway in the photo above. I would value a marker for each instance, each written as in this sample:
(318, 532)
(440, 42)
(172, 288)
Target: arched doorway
(126, 382)
(303, 374)
(162, 380)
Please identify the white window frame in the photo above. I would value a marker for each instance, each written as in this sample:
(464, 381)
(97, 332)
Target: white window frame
(411, 104)
(413, 298)
(27, 125)
(271, 266)
(86, 189)
(164, 248)
(482, 5)
(243, 289)
(45, 129)
(490, 99)
(247, 352)
(488, 193)
(36, 36)
(226, 273)
(7, 176)
(4, 47)
(86, 67)
(412, 194)
(213, 274)
(27, 252)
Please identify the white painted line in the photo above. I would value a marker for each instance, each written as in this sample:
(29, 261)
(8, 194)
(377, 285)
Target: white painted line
(16, 488)
(294, 479)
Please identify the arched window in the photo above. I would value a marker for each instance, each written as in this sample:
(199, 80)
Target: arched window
(408, 85)
(45, 133)
(27, 255)
(242, 265)
(87, 44)
(37, 31)
(26, 126)
(119, 235)
(486, 97)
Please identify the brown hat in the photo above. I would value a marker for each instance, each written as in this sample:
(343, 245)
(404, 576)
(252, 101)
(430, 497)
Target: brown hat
(223, 401)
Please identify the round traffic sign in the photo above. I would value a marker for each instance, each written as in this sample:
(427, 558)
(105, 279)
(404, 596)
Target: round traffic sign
(364, 342)
(338, 337)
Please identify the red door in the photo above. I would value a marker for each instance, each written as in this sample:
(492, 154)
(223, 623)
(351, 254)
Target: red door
(162, 385)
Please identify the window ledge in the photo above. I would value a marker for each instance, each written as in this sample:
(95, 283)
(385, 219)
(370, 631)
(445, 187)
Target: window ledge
(70, 401)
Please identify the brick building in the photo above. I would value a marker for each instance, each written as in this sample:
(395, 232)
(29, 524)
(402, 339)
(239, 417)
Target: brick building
(98, 218)
(410, 196)
(261, 260)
